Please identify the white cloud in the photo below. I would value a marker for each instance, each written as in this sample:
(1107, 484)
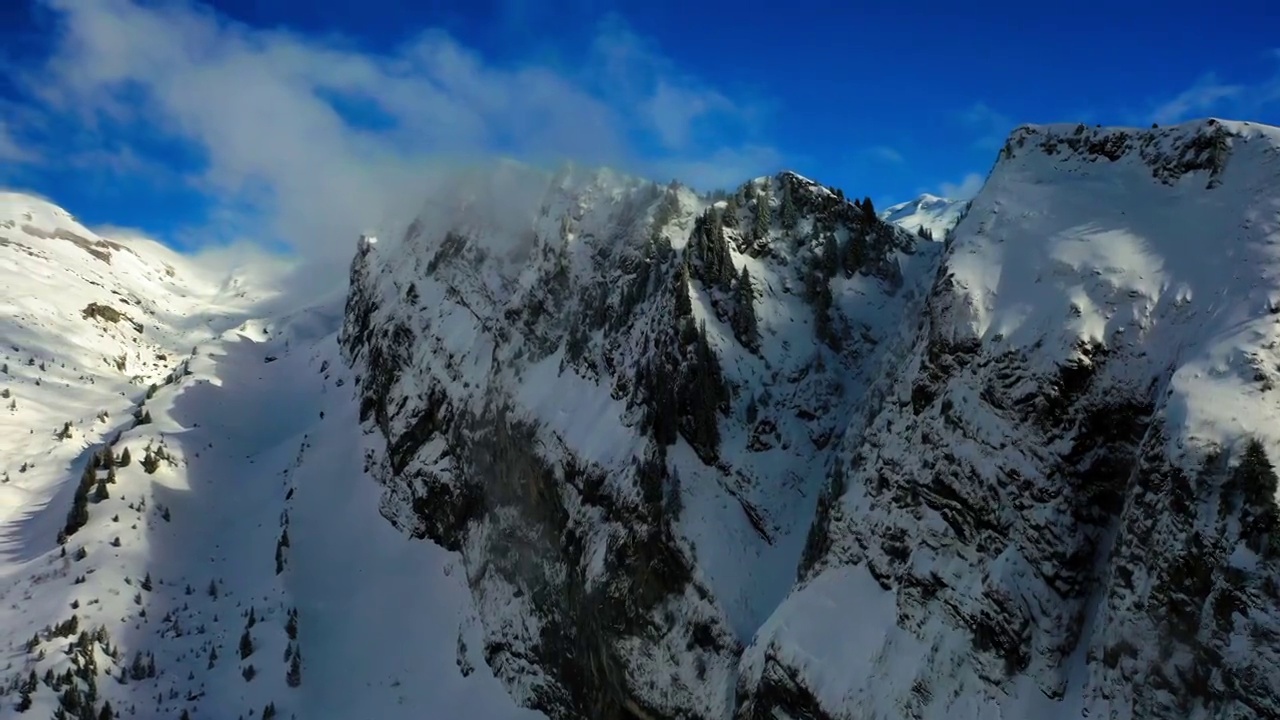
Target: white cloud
(1210, 95)
(886, 154)
(990, 127)
(1207, 93)
(11, 149)
(316, 141)
(963, 190)
(723, 169)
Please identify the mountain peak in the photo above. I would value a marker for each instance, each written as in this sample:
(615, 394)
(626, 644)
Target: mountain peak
(928, 213)
(1170, 152)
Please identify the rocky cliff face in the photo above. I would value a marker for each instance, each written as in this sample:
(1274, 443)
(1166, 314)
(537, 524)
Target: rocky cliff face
(1053, 506)
(620, 415)
(1023, 475)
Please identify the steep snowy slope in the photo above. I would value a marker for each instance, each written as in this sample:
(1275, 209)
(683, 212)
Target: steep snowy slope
(224, 502)
(615, 401)
(1061, 509)
(928, 214)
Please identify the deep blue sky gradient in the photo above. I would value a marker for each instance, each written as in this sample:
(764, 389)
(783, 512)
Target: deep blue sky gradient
(886, 99)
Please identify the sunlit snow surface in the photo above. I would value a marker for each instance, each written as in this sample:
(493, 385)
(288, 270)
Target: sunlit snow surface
(384, 624)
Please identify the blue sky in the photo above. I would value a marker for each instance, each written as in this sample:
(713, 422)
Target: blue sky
(306, 120)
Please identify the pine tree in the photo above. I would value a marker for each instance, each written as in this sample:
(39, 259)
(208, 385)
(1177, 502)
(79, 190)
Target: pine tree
(673, 498)
(294, 676)
(868, 209)
(730, 214)
(246, 645)
(699, 396)
(146, 582)
(125, 458)
(763, 218)
(106, 713)
(291, 626)
(745, 326)
(100, 492)
(680, 289)
(787, 212)
(1255, 478)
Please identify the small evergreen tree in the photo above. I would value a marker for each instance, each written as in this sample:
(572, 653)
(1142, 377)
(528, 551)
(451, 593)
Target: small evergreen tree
(246, 645)
(100, 491)
(673, 497)
(763, 218)
(294, 676)
(683, 305)
(1255, 478)
(744, 322)
(787, 215)
(730, 214)
(125, 458)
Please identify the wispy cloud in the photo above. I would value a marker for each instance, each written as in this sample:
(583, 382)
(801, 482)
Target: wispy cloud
(1207, 93)
(966, 188)
(11, 149)
(886, 154)
(317, 141)
(990, 127)
(1211, 95)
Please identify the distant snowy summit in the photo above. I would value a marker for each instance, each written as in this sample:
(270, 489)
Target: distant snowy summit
(928, 214)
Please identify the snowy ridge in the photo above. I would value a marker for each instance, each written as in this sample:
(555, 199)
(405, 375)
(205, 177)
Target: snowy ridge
(929, 215)
(212, 443)
(1065, 466)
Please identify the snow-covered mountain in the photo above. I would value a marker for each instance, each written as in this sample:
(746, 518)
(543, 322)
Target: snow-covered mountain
(927, 215)
(1061, 510)
(159, 416)
(583, 446)
(621, 417)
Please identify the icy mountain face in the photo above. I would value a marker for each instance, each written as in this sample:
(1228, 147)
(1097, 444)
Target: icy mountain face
(929, 216)
(617, 410)
(1061, 506)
